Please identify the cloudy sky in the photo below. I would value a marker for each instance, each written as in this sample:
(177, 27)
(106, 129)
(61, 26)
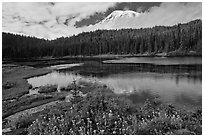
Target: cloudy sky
(52, 20)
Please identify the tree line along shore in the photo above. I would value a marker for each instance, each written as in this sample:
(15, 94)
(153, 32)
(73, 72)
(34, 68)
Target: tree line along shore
(178, 40)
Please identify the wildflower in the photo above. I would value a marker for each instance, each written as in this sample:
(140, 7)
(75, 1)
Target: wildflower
(102, 131)
(110, 113)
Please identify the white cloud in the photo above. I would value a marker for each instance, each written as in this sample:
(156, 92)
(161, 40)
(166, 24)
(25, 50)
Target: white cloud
(45, 20)
(28, 18)
(166, 14)
(170, 14)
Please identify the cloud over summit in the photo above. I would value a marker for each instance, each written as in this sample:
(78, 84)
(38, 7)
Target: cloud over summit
(45, 19)
(52, 20)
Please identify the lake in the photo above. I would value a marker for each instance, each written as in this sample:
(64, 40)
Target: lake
(175, 80)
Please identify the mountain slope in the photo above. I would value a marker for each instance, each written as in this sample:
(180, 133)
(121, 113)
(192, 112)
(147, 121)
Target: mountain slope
(119, 15)
(117, 19)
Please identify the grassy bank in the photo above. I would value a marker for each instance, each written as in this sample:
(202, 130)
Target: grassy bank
(16, 76)
(15, 86)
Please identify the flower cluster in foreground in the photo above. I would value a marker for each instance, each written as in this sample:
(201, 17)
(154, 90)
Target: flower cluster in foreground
(104, 113)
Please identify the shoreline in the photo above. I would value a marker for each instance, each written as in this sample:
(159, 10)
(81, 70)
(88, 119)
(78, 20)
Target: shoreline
(105, 56)
(18, 76)
(15, 86)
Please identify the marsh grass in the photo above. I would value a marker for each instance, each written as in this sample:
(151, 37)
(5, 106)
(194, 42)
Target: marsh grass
(23, 103)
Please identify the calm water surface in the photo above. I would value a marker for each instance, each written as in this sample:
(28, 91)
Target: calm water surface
(170, 81)
(159, 60)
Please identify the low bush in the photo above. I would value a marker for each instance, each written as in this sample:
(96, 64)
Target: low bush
(48, 89)
(23, 121)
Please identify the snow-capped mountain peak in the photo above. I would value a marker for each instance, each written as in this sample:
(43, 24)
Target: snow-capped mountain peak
(119, 14)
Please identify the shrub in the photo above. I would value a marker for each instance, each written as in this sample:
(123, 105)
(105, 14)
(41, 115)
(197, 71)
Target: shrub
(47, 89)
(23, 121)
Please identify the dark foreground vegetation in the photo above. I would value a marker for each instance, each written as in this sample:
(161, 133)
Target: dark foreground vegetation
(89, 108)
(103, 113)
(177, 40)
